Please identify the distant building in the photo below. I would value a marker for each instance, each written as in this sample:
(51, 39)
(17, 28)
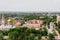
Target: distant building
(57, 38)
(37, 24)
(19, 23)
(58, 18)
(51, 28)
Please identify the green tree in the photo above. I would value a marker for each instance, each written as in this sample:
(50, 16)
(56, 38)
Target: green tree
(13, 35)
(43, 32)
(1, 35)
(31, 36)
(51, 36)
(58, 24)
(58, 28)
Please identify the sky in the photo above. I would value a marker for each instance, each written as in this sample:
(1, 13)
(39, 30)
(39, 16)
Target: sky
(30, 5)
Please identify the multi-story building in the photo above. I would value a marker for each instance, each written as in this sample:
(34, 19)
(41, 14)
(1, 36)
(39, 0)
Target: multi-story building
(58, 18)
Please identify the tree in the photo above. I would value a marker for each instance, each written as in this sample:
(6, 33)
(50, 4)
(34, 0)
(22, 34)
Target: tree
(13, 35)
(58, 27)
(31, 36)
(51, 36)
(1, 35)
(58, 24)
(44, 32)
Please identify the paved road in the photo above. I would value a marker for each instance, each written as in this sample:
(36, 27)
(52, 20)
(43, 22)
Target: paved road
(57, 32)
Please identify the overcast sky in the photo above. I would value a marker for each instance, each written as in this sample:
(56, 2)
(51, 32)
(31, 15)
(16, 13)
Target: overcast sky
(30, 5)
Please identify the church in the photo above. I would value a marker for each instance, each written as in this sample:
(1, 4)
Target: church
(6, 24)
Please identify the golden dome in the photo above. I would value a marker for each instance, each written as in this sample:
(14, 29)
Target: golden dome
(10, 20)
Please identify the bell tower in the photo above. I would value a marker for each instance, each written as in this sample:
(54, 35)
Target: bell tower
(3, 18)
